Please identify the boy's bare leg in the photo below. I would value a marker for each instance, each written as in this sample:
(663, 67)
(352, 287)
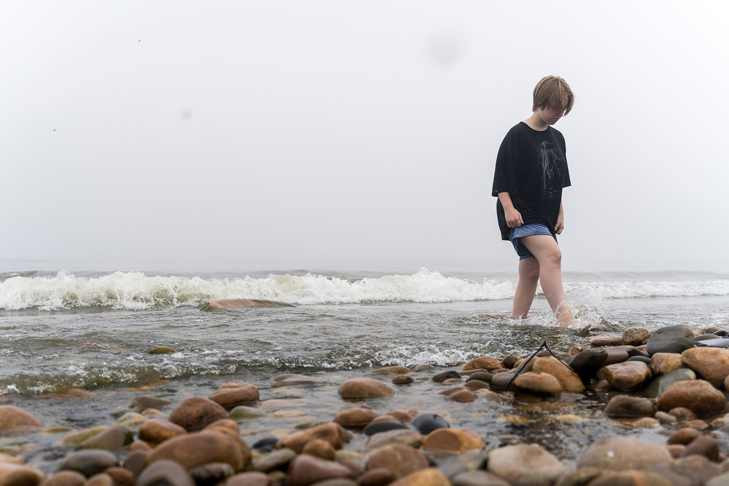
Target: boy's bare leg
(547, 252)
(526, 287)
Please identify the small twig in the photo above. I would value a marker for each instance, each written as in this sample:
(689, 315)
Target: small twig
(544, 345)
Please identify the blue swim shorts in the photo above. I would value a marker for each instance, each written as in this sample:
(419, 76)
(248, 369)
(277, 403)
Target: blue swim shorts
(527, 230)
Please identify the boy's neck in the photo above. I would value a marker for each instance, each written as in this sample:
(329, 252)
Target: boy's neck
(535, 121)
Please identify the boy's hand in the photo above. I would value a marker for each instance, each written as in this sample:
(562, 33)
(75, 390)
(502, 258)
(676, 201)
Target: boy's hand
(559, 227)
(513, 218)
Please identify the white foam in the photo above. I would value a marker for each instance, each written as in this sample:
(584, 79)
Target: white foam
(137, 291)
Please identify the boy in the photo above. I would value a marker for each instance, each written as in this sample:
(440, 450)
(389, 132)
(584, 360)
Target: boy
(531, 170)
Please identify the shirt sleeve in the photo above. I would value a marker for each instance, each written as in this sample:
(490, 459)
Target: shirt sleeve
(505, 171)
(566, 182)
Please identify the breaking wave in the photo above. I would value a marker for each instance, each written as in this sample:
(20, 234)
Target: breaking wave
(138, 291)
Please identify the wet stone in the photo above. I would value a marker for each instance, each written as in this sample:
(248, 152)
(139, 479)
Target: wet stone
(376, 477)
(165, 472)
(250, 479)
(363, 388)
(670, 339)
(606, 340)
(586, 363)
(196, 413)
(135, 462)
(626, 376)
(636, 336)
(277, 459)
(111, 439)
(120, 476)
(305, 470)
(620, 453)
(481, 375)
(703, 445)
(664, 363)
(211, 474)
(625, 406)
(89, 462)
(478, 478)
(142, 403)
(399, 459)
(355, 417)
(402, 380)
(697, 395)
(65, 478)
(406, 436)
(265, 444)
(376, 428)
(445, 375)
(662, 382)
(428, 422)
(712, 364)
(525, 464)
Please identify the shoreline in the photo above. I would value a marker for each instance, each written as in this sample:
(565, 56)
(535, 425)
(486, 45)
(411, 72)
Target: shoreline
(561, 422)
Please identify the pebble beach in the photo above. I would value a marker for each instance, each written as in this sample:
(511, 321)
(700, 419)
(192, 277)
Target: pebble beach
(453, 395)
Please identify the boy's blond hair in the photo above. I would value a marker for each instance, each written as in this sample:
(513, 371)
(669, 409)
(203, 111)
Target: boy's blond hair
(553, 92)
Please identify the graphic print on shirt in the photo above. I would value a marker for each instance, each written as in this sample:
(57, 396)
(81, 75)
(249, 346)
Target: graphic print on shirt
(550, 161)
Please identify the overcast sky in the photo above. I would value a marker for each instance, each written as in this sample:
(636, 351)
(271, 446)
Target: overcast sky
(355, 135)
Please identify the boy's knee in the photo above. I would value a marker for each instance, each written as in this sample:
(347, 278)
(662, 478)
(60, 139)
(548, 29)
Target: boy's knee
(553, 257)
(530, 269)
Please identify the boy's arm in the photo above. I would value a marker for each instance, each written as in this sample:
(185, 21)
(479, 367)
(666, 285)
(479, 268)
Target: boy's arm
(511, 214)
(559, 227)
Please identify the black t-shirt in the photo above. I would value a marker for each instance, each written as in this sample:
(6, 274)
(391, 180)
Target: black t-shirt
(532, 167)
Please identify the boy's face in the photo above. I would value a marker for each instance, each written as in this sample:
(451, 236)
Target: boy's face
(550, 115)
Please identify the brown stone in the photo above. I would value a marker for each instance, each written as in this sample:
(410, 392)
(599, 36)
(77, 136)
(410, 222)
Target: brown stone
(376, 477)
(361, 388)
(683, 436)
(676, 450)
(696, 395)
(231, 397)
(635, 336)
(710, 363)
(305, 470)
(703, 445)
(319, 448)
(14, 418)
(568, 379)
(462, 396)
(682, 414)
(621, 453)
(664, 363)
(474, 385)
(630, 478)
(452, 440)
(627, 375)
(235, 304)
(404, 416)
(249, 479)
(196, 413)
(424, 477)
(120, 476)
(355, 418)
(102, 479)
(626, 406)
(165, 472)
(392, 370)
(401, 436)
(63, 478)
(541, 383)
(525, 465)
(156, 431)
(482, 363)
(198, 448)
(111, 439)
(606, 340)
(399, 459)
(19, 475)
(330, 432)
(402, 380)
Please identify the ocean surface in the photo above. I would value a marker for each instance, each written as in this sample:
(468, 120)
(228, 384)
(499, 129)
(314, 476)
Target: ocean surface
(74, 347)
(92, 330)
